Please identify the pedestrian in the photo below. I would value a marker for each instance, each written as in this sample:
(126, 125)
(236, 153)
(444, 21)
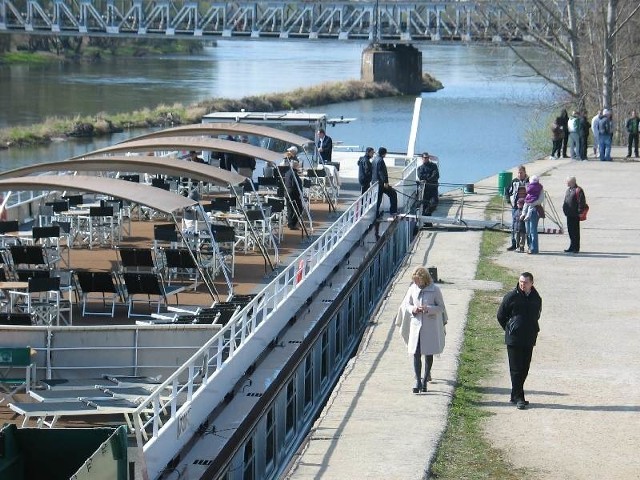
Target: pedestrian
(379, 174)
(516, 191)
(325, 146)
(632, 124)
(574, 135)
(605, 135)
(594, 130)
(573, 207)
(556, 138)
(364, 169)
(422, 324)
(585, 128)
(521, 228)
(428, 174)
(564, 122)
(518, 315)
(533, 204)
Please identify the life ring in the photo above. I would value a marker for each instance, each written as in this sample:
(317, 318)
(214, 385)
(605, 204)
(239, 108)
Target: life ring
(300, 271)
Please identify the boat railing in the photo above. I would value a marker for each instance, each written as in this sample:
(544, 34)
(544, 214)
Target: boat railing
(150, 418)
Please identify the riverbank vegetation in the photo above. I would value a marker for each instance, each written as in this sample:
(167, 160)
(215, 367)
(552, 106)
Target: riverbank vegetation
(179, 114)
(464, 451)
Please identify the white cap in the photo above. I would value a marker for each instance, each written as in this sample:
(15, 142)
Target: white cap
(293, 150)
(534, 179)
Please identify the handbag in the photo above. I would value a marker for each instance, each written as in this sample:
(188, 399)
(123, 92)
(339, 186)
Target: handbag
(582, 214)
(540, 210)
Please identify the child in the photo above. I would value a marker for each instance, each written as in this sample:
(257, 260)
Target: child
(533, 198)
(521, 230)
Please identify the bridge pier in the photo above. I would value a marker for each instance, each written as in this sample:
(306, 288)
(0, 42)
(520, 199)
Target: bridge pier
(398, 64)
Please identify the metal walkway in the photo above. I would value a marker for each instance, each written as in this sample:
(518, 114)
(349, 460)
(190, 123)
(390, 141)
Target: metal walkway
(464, 21)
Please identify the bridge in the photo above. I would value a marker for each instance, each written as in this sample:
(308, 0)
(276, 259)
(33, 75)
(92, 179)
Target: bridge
(389, 21)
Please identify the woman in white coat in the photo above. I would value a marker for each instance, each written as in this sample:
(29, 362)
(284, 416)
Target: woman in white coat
(422, 324)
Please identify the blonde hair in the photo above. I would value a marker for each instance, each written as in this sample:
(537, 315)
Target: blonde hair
(423, 275)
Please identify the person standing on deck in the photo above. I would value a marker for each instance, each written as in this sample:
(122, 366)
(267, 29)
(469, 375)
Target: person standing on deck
(379, 174)
(364, 169)
(325, 146)
(293, 184)
(518, 315)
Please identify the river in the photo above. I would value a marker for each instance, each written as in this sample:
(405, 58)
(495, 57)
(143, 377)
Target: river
(476, 125)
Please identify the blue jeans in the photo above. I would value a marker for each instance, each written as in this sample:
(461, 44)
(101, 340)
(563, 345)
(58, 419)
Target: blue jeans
(605, 147)
(532, 231)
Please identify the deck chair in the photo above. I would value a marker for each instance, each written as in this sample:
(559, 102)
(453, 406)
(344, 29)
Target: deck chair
(30, 256)
(8, 226)
(73, 200)
(43, 300)
(49, 238)
(223, 204)
(136, 260)
(12, 319)
(17, 370)
(149, 285)
(98, 286)
(225, 237)
(165, 235)
(179, 265)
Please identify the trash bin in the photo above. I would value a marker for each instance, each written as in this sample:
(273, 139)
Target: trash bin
(504, 180)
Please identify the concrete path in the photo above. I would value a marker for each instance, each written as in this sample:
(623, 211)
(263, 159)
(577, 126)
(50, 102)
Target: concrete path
(583, 386)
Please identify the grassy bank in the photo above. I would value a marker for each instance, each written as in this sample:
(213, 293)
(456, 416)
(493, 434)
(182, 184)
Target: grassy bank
(179, 114)
(464, 453)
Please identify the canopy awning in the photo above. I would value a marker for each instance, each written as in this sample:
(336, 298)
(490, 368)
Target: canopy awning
(156, 198)
(188, 143)
(135, 163)
(226, 128)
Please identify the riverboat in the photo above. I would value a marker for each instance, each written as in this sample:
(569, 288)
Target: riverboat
(178, 307)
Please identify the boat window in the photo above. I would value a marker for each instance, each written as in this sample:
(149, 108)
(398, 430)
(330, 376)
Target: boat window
(249, 472)
(308, 381)
(324, 356)
(290, 419)
(338, 335)
(270, 447)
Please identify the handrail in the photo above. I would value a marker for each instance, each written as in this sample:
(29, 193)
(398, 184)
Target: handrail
(204, 365)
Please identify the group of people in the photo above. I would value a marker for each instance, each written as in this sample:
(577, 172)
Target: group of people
(372, 168)
(526, 196)
(570, 134)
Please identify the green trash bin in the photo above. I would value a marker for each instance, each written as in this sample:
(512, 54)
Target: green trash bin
(504, 180)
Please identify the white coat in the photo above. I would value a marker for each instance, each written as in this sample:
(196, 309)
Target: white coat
(429, 326)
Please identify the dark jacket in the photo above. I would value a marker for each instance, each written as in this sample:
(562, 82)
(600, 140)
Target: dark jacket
(327, 148)
(364, 170)
(632, 125)
(428, 173)
(518, 316)
(379, 171)
(574, 202)
(292, 183)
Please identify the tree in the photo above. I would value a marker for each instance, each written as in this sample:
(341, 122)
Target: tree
(589, 43)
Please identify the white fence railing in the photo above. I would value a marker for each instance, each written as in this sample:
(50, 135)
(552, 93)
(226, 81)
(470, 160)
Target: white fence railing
(161, 410)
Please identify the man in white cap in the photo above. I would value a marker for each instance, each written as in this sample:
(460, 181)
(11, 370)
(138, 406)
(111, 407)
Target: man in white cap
(605, 135)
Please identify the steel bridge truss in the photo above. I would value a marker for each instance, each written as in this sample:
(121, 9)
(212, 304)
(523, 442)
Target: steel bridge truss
(356, 20)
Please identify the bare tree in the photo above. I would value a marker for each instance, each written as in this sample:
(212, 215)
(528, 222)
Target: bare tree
(573, 31)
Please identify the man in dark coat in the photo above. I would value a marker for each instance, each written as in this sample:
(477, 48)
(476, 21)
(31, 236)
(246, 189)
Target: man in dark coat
(325, 146)
(293, 184)
(518, 315)
(429, 175)
(364, 170)
(573, 205)
(379, 174)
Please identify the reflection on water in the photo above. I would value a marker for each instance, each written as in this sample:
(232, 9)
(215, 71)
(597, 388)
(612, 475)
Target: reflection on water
(475, 124)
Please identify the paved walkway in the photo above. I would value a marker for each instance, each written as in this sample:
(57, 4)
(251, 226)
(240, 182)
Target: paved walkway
(583, 386)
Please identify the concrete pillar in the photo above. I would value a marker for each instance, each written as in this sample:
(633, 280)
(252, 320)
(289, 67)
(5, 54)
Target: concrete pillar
(398, 64)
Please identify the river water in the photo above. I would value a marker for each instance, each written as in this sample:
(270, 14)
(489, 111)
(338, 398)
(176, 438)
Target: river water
(475, 125)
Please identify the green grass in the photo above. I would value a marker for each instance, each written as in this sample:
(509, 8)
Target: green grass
(464, 452)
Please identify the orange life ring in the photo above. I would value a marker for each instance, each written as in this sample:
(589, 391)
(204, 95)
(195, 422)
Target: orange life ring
(300, 271)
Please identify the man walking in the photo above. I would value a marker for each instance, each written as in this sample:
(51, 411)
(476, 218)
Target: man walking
(429, 175)
(632, 130)
(325, 146)
(364, 169)
(573, 205)
(516, 191)
(379, 174)
(518, 315)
